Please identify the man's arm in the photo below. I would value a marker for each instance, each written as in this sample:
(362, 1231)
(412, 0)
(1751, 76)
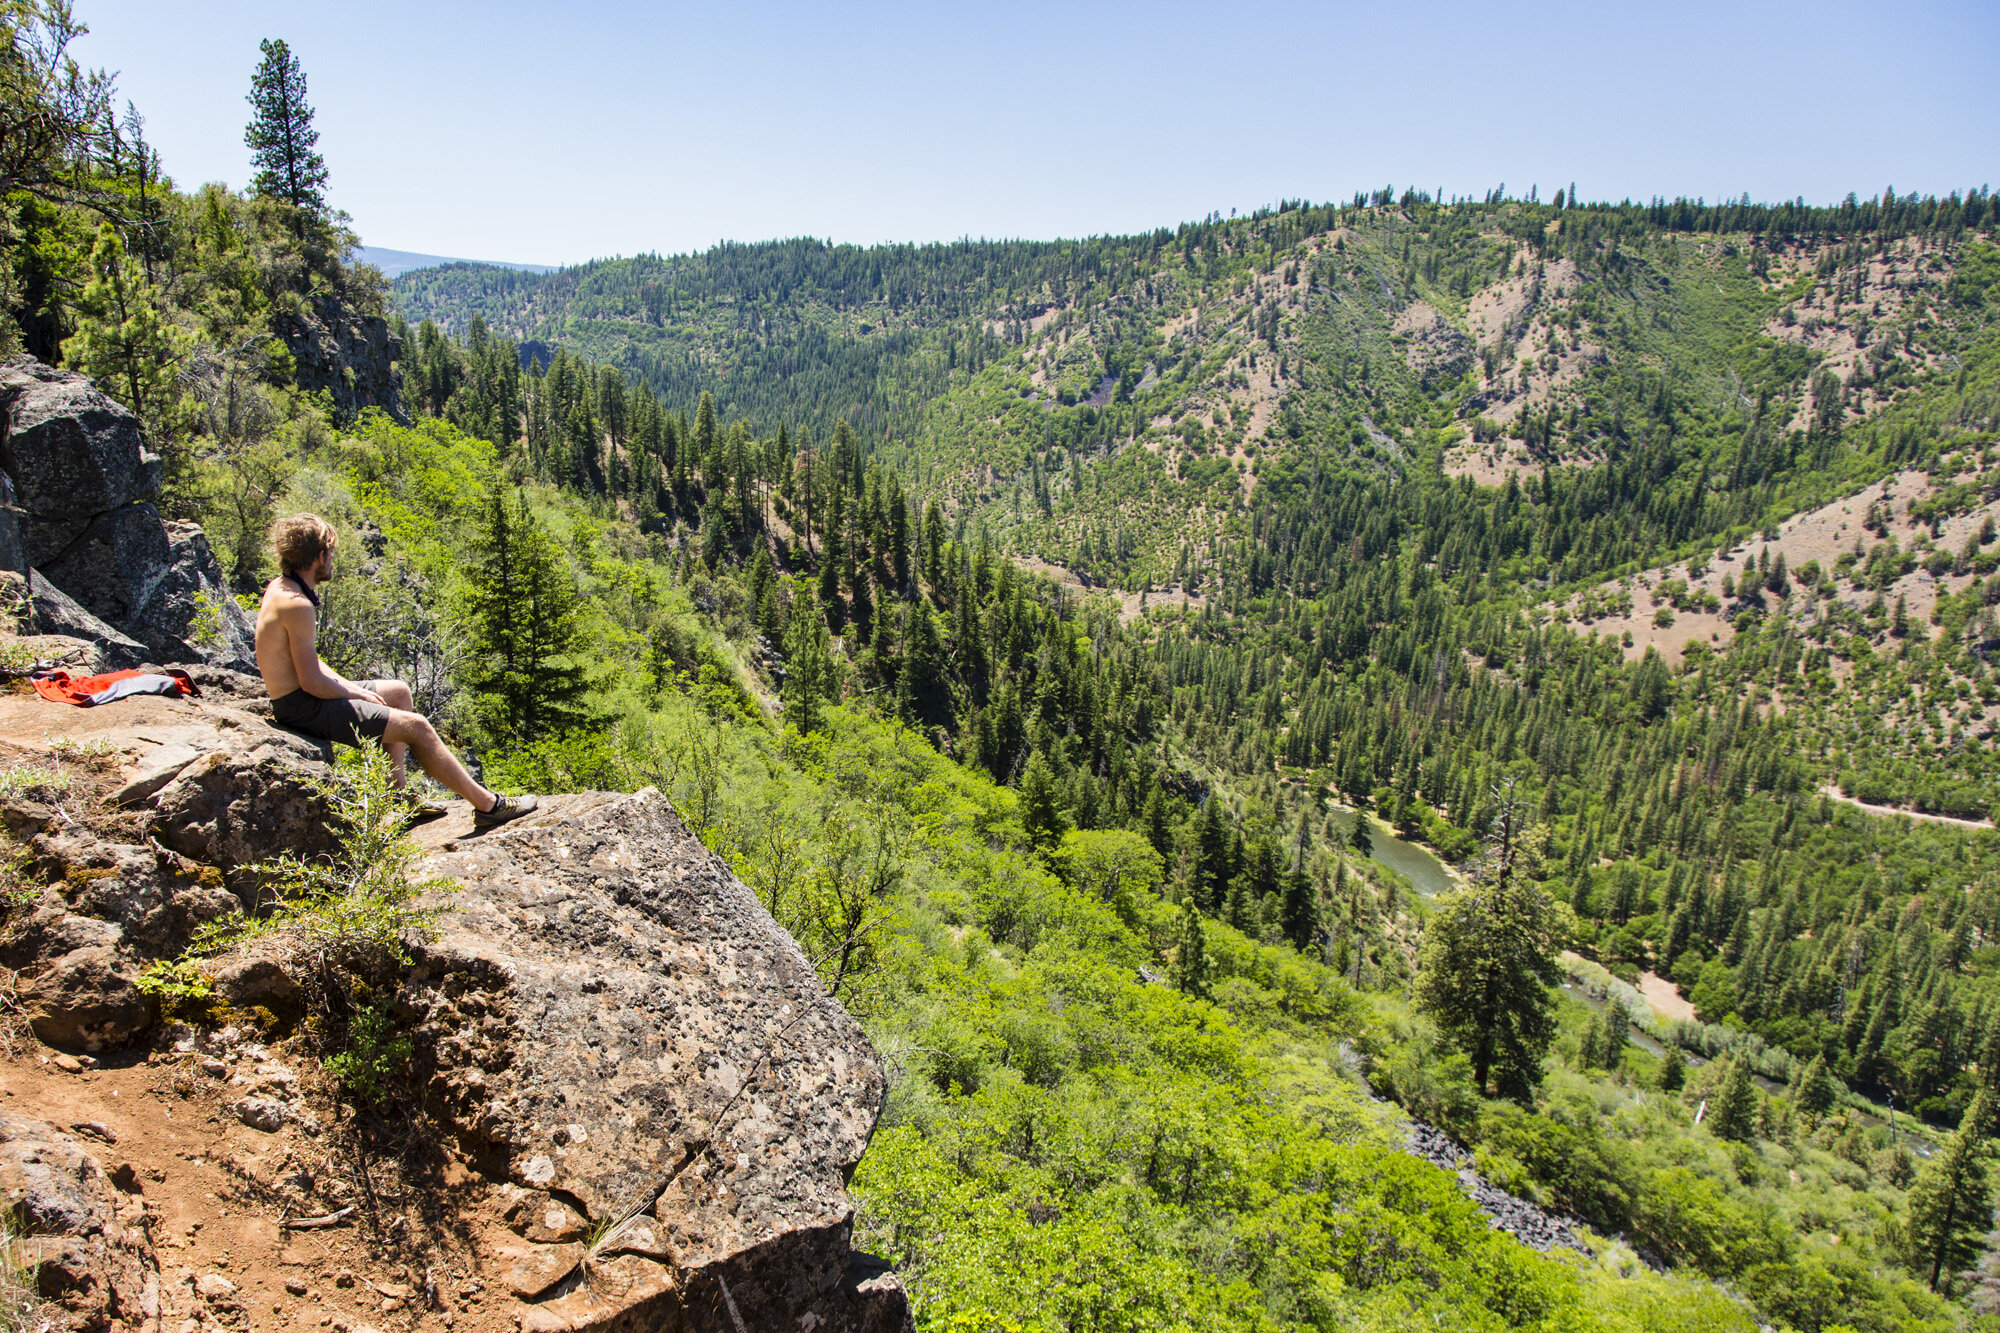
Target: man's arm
(315, 677)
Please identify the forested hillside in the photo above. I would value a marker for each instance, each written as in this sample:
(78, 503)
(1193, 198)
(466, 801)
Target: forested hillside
(1051, 633)
(1404, 457)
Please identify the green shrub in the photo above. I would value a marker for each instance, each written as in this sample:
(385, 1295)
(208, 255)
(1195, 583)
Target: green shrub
(353, 911)
(178, 983)
(339, 924)
(376, 1052)
(1690, 1220)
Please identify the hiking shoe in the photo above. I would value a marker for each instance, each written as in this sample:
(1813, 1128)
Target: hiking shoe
(416, 810)
(504, 809)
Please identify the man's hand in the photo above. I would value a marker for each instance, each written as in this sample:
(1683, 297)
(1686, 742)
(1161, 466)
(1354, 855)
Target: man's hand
(369, 695)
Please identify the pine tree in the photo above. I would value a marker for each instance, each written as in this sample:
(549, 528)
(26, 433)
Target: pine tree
(121, 341)
(1590, 1046)
(1579, 893)
(1359, 837)
(1732, 1112)
(1487, 965)
(1042, 813)
(1617, 1025)
(922, 696)
(1300, 916)
(831, 560)
(704, 440)
(1211, 855)
(1672, 1073)
(527, 629)
(1189, 971)
(808, 665)
(281, 136)
(1951, 1204)
(1816, 1090)
(1153, 818)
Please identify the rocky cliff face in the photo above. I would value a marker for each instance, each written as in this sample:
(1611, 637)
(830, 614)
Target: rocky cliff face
(349, 356)
(615, 1025)
(79, 525)
(655, 1102)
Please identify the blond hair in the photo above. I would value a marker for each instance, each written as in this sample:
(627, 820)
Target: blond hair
(300, 540)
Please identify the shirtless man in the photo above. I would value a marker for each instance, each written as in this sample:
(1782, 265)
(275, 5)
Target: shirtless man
(309, 696)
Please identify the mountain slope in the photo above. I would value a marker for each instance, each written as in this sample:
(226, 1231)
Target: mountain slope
(1101, 404)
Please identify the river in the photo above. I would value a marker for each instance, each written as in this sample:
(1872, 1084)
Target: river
(1426, 874)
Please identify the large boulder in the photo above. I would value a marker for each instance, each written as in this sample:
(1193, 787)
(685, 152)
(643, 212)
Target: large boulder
(81, 1237)
(247, 800)
(73, 453)
(115, 562)
(613, 1022)
(47, 929)
(13, 554)
(150, 905)
(85, 486)
(50, 610)
(88, 997)
(219, 633)
(158, 583)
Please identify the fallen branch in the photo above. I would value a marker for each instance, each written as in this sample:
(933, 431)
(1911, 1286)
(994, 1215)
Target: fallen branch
(47, 664)
(315, 1223)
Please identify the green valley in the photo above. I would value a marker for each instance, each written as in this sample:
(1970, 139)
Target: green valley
(1068, 640)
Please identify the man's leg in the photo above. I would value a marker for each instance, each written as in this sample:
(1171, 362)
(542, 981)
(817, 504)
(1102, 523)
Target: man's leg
(397, 695)
(415, 735)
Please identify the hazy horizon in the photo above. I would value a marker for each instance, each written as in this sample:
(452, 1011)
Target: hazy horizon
(632, 128)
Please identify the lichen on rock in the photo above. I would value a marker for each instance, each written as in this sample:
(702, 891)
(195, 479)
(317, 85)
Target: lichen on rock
(611, 1020)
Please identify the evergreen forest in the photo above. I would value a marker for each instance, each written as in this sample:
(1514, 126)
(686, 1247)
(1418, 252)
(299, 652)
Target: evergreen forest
(1205, 699)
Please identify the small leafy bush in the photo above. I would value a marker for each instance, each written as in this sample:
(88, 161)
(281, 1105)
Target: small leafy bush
(353, 911)
(208, 629)
(376, 1053)
(339, 924)
(178, 983)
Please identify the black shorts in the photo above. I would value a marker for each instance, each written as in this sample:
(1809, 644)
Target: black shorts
(342, 721)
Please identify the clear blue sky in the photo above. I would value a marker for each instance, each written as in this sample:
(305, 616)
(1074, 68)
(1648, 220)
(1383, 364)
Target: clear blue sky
(550, 133)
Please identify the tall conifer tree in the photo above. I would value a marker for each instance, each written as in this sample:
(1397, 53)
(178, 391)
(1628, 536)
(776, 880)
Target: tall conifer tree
(1487, 964)
(1951, 1204)
(280, 136)
(527, 628)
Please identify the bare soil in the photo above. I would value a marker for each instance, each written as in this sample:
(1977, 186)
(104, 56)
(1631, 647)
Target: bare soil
(1846, 326)
(1131, 605)
(1665, 997)
(417, 1251)
(1821, 535)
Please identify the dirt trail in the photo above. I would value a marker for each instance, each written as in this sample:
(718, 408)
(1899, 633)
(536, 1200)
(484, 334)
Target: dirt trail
(214, 1194)
(1896, 811)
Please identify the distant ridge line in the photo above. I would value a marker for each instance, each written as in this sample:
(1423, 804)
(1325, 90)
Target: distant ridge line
(394, 263)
